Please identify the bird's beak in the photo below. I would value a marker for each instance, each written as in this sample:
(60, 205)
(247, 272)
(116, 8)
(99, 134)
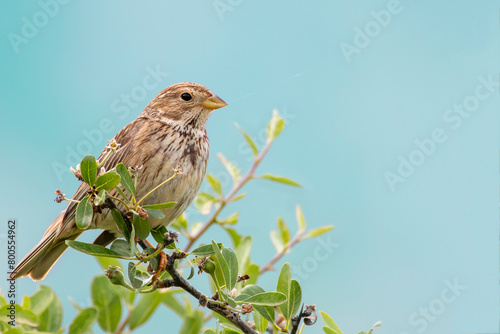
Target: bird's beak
(213, 102)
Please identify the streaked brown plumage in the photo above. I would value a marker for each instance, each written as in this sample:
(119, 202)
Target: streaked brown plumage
(169, 134)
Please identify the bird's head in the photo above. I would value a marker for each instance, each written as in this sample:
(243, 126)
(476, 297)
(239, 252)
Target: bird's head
(185, 104)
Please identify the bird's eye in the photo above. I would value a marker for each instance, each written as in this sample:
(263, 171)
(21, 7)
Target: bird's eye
(186, 96)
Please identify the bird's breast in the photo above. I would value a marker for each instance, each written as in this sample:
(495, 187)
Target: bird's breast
(186, 156)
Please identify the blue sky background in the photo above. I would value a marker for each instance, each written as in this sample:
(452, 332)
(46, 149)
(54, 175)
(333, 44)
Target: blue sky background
(350, 117)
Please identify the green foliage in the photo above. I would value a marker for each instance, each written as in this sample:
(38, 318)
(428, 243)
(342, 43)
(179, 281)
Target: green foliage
(107, 181)
(144, 309)
(83, 322)
(275, 126)
(84, 213)
(91, 249)
(331, 327)
(125, 178)
(232, 170)
(88, 168)
(107, 303)
(281, 179)
(141, 227)
(129, 294)
(205, 250)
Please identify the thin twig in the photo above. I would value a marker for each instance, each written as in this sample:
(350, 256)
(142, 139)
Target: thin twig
(179, 281)
(158, 186)
(224, 201)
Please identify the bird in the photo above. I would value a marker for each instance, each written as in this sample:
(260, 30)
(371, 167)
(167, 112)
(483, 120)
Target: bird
(169, 134)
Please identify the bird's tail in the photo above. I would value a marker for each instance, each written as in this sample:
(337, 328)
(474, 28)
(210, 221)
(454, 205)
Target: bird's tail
(38, 262)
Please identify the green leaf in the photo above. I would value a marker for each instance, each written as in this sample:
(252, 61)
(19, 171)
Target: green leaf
(122, 194)
(243, 254)
(317, 231)
(237, 198)
(232, 263)
(172, 303)
(100, 198)
(132, 276)
(191, 272)
(330, 323)
(25, 304)
(205, 250)
(23, 316)
(260, 322)
(121, 246)
(231, 220)
(209, 331)
(265, 299)
(105, 262)
(159, 206)
(203, 202)
(88, 168)
(233, 171)
(328, 330)
(252, 270)
(133, 246)
(283, 286)
(192, 323)
(158, 235)
(301, 222)
(221, 261)
(294, 299)
(84, 213)
(228, 299)
(276, 241)
(125, 178)
(107, 181)
(91, 249)
(215, 184)
(107, 303)
(120, 223)
(280, 237)
(241, 298)
(83, 322)
(155, 213)
(235, 236)
(41, 299)
(281, 179)
(180, 224)
(144, 309)
(230, 328)
(13, 330)
(266, 311)
(284, 231)
(275, 126)
(51, 318)
(141, 227)
(249, 141)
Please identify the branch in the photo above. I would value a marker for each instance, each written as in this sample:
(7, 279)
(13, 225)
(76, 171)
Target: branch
(178, 281)
(309, 316)
(224, 201)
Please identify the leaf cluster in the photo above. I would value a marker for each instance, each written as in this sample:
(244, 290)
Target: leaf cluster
(128, 294)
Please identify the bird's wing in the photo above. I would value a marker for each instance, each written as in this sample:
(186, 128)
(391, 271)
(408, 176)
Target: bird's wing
(123, 154)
